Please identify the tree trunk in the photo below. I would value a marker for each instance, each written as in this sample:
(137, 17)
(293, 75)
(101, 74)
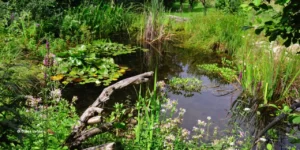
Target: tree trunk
(191, 2)
(204, 7)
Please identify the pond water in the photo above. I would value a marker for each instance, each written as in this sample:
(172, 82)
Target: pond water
(213, 100)
(172, 62)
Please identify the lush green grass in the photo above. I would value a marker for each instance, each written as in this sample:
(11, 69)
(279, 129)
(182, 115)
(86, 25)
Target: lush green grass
(85, 23)
(217, 31)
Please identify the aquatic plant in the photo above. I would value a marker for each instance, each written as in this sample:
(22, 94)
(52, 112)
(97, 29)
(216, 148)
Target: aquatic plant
(103, 48)
(187, 85)
(79, 66)
(154, 25)
(267, 75)
(227, 74)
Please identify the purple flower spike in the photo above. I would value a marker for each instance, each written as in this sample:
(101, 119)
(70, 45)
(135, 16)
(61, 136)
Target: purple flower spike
(240, 75)
(47, 45)
(258, 86)
(49, 60)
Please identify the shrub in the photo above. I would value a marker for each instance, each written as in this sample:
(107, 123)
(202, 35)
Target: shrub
(230, 6)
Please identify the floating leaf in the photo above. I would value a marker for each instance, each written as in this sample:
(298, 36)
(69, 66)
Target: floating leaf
(296, 120)
(57, 77)
(122, 71)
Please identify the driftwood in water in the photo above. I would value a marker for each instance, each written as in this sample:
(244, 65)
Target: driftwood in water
(92, 114)
(274, 122)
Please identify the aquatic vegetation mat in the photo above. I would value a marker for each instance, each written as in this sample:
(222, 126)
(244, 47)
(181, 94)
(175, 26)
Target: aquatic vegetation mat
(91, 63)
(186, 85)
(227, 74)
(102, 48)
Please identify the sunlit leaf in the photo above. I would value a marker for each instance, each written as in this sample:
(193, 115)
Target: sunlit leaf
(296, 120)
(57, 77)
(65, 82)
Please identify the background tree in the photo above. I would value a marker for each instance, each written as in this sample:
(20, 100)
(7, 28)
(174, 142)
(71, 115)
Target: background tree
(192, 4)
(204, 3)
(229, 6)
(181, 5)
(284, 23)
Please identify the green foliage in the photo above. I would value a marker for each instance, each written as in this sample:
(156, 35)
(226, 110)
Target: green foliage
(187, 85)
(16, 81)
(48, 130)
(227, 74)
(19, 35)
(88, 22)
(229, 6)
(39, 8)
(283, 23)
(168, 3)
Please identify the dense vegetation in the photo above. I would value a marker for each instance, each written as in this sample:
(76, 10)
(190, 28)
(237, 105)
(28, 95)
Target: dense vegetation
(47, 45)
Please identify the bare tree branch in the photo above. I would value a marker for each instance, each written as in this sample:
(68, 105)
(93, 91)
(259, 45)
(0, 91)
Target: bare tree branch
(92, 114)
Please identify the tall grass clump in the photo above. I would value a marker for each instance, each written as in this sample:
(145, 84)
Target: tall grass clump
(87, 22)
(217, 31)
(267, 75)
(153, 24)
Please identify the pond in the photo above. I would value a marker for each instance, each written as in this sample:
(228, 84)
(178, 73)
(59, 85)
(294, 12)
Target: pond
(216, 99)
(173, 62)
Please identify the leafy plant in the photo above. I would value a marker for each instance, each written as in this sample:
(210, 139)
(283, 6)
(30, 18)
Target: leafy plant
(229, 6)
(48, 129)
(283, 23)
(227, 74)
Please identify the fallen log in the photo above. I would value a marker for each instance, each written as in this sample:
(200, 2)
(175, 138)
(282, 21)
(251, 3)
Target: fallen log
(92, 115)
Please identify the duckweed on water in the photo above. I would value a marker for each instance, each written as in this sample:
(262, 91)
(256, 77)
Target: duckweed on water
(186, 84)
(227, 74)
